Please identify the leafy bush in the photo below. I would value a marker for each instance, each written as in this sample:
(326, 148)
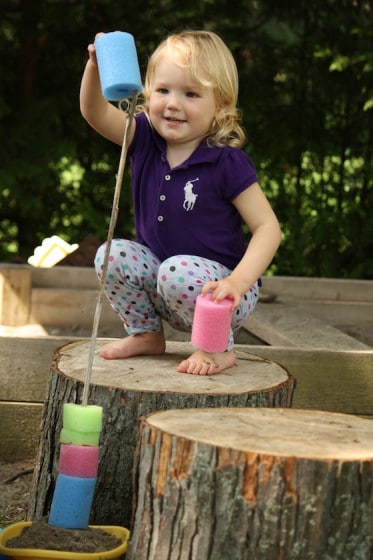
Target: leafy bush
(306, 81)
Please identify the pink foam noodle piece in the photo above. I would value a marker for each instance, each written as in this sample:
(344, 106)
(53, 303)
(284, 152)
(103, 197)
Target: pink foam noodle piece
(79, 460)
(211, 324)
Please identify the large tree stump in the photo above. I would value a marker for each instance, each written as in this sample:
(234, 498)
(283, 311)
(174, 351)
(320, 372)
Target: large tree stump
(253, 484)
(131, 388)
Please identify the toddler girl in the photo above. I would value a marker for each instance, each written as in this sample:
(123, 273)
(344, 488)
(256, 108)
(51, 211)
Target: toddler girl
(192, 188)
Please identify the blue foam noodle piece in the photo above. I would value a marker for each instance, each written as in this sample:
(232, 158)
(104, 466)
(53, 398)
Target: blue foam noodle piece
(118, 65)
(72, 501)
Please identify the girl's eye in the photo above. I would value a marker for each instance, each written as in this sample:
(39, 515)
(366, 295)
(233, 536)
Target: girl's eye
(192, 94)
(162, 90)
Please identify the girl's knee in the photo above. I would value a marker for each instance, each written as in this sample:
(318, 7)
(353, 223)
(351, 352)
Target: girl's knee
(179, 270)
(174, 278)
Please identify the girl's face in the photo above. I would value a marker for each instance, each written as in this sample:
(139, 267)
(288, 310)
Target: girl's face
(180, 109)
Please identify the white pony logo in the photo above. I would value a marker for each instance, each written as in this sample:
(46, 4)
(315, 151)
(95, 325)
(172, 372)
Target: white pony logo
(190, 196)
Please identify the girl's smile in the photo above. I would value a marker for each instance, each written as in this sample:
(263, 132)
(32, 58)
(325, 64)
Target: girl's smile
(174, 122)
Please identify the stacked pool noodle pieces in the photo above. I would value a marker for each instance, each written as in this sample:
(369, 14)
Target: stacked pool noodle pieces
(78, 466)
(211, 323)
(118, 65)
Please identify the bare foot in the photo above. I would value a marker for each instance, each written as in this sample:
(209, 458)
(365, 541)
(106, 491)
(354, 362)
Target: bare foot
(141, 344)
(203, 363)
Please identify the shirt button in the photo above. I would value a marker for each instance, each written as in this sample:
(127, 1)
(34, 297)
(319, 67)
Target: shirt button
(162, 197)
(168, 177)
(160, 218)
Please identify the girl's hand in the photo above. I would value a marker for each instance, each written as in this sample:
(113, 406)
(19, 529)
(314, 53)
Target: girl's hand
(225, 288)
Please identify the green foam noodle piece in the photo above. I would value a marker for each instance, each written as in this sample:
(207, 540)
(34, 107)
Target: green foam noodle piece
(79, 418)
(80, 438)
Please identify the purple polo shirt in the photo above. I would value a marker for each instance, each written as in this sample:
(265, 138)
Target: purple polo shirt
(187, 210)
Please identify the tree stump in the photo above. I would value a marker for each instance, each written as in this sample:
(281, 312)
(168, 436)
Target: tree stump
(127, 390)
(253, 484)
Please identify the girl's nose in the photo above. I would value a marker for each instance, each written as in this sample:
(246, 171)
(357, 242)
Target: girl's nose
(172, 101)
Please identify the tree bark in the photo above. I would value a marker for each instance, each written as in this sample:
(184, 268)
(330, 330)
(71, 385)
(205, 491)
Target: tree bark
(127, 390)
(253, 484)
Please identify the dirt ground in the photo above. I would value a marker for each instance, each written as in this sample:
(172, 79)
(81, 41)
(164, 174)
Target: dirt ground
(14, 494)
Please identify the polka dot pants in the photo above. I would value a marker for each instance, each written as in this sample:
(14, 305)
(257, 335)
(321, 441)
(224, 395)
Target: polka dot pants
(142, 290)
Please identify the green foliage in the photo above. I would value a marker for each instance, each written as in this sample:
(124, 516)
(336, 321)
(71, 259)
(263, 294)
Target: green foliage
(306, 73)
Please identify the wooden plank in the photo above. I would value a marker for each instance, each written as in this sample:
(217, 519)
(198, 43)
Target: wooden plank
(60, 307)
(64, 295)
(336, 313)
(15, 292)
(334, 381)
(293, 287)
(20, 428)
(25, 365)
(65, 277)
(332, 289)
(296, 287)
(266, 332)
(287, 325)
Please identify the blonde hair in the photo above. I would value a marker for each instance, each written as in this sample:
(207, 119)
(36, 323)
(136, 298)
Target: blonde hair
(211, 64)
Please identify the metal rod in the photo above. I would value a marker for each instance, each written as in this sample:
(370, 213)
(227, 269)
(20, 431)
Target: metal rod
(113, 221)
